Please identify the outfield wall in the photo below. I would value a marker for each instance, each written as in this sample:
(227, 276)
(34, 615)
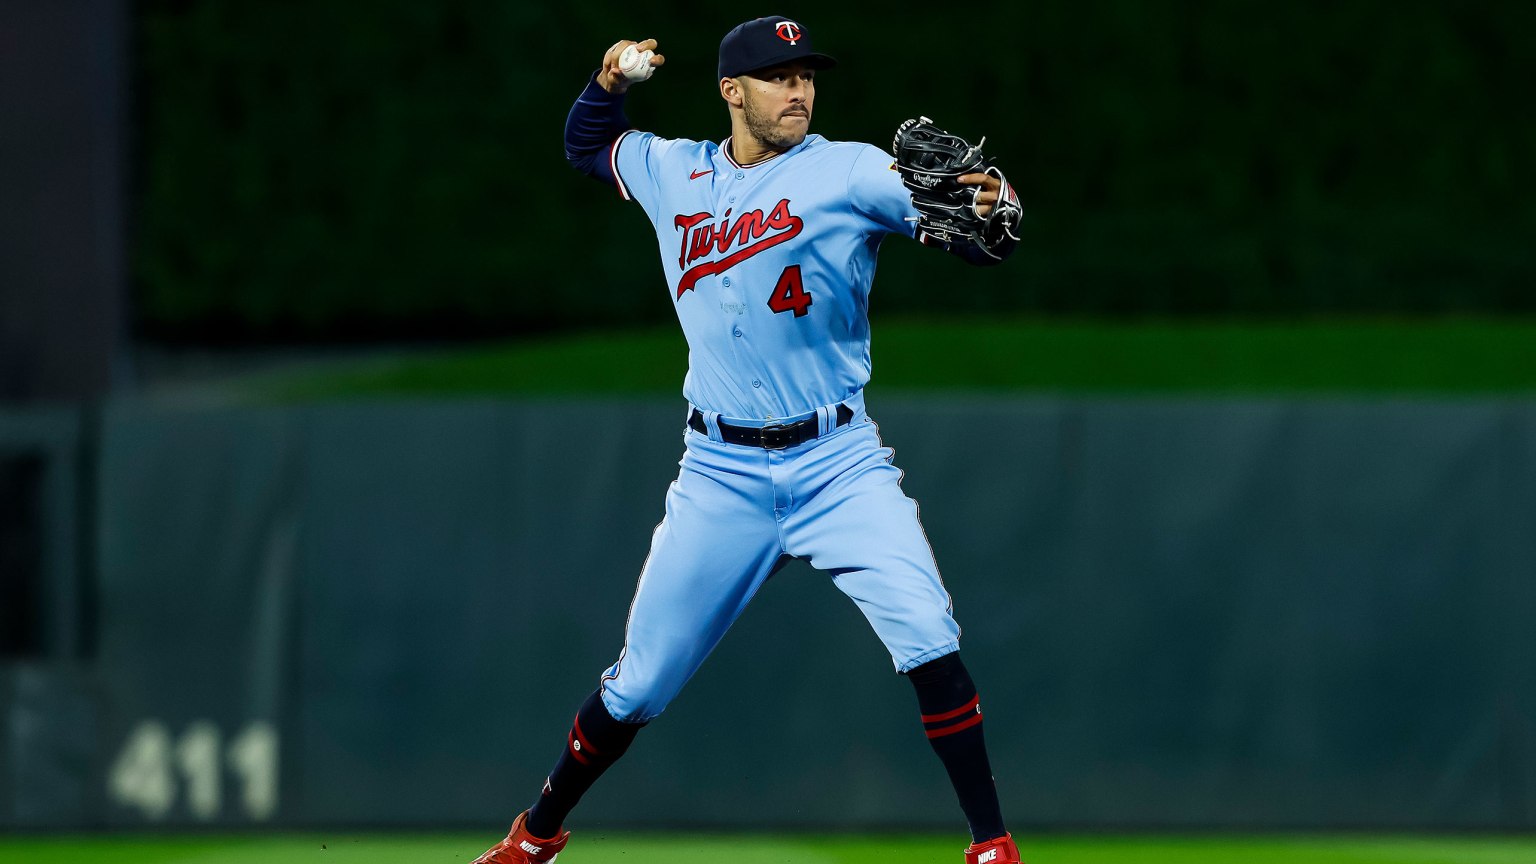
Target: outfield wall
(1182, 613)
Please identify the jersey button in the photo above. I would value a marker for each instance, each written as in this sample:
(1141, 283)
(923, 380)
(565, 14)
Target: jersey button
(726, 281)
(756, 383)
(740, 175)
(736, 331)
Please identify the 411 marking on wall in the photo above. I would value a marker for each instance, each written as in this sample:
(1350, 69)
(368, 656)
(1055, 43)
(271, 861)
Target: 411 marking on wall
(145, 774)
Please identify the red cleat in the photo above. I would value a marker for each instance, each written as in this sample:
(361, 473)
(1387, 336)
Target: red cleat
(997, 851)
(520, 847)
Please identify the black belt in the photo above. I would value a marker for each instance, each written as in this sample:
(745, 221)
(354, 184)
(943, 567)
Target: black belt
(775, 436)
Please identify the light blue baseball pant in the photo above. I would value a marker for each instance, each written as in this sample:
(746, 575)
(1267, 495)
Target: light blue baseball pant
(734, 514)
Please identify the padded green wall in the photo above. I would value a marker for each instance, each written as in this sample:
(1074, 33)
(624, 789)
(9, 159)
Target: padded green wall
(1181, 613)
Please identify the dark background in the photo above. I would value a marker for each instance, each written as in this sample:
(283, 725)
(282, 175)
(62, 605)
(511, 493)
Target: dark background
(329, 170)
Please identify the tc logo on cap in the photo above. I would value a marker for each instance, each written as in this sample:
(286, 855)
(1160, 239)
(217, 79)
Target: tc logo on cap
(789, 31)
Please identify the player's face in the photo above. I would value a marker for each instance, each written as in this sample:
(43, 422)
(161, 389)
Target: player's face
(777, 104)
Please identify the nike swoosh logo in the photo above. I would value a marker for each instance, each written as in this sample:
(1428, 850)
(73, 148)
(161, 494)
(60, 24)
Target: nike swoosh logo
(697, 174)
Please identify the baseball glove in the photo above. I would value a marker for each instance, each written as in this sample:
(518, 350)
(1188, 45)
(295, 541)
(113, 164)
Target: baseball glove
(931, 162)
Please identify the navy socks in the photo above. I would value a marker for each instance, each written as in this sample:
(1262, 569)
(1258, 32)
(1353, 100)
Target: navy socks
(596, 741)
(951, 712)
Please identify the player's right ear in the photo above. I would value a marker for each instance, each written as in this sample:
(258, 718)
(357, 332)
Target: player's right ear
(730, 91)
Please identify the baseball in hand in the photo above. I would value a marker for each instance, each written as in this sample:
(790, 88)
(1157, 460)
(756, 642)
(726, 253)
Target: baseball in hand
(636, 65)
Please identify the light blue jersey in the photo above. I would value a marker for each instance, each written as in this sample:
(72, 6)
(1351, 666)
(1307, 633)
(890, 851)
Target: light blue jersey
(769, 266)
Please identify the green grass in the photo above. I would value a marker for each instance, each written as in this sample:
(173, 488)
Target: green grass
(757, 849)
(1017, 355)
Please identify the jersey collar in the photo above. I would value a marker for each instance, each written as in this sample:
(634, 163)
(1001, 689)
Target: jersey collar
(725, 150)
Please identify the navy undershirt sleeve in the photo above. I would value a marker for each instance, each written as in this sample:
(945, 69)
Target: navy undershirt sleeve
(595, 122)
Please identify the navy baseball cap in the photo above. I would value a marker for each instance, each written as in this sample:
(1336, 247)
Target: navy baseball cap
(764, 42)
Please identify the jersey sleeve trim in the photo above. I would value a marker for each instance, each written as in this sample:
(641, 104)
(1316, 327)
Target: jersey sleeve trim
(613, 162)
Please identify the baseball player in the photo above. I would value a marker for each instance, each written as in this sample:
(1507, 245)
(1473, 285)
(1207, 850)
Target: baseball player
(768, 240)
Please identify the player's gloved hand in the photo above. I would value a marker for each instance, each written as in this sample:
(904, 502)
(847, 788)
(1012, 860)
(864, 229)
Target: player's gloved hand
(616, 76)
(961, 198)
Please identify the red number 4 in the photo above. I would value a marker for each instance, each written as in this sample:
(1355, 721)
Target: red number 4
(789, 294)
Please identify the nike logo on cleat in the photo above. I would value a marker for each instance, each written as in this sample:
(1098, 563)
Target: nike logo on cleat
(989, 855)
(697, 174)
(529, 847)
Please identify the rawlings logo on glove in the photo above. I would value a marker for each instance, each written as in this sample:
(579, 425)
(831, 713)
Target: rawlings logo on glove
(931, 162)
